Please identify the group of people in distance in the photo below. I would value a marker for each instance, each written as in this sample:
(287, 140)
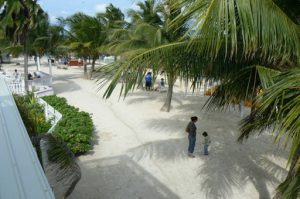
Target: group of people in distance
(191, 130)
(148, 80)
(35, 75)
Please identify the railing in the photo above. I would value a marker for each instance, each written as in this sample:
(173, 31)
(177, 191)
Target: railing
(22, 176)
(16, 87)
(40, 86)
(50, 113)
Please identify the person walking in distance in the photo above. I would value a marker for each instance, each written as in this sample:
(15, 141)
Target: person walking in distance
(148, 80)
(191, 130)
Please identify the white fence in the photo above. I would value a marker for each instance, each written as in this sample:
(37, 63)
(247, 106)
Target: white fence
(50, 113)
(16, 87)
(41, 86)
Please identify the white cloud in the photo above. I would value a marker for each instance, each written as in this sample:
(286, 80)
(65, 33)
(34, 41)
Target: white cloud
(101, 7)
(64, 12)
(53, 19)
(135, 7)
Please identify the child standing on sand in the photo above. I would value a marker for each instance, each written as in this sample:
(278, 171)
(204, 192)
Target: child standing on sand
(206, 142)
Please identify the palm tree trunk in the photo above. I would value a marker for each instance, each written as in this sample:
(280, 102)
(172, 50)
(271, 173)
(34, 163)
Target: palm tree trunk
(293, 174)
(85, 68)
(93, 64)
(38, 62)
(93, 67)
(140, 84)
(26, 66)
(167, 105)
(1, 61)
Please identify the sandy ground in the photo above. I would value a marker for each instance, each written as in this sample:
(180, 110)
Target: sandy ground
(140, 152)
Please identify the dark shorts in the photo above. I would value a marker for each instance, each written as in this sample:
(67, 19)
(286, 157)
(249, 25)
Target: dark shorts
(148, 84)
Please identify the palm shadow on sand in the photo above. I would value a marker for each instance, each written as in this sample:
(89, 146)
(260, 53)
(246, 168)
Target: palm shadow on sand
(119, 177)
(229, 166)
(64, 83)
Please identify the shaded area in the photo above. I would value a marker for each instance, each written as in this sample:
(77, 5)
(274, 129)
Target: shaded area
(146, 96)
(120, 178)
(230, 166)
(65, 83)
(171, 149)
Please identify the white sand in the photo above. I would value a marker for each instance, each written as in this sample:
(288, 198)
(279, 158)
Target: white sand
(140, 152)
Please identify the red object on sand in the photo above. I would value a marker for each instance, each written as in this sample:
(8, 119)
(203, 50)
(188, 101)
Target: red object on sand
(74, 62)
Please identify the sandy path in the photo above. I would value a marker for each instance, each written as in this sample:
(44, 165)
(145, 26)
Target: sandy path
(140, 152)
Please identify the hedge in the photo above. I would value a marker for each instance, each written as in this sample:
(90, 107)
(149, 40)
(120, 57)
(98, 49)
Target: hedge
(75, 128)
(32, 114)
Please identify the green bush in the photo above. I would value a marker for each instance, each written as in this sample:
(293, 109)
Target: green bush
(32, 114)
(75, 128)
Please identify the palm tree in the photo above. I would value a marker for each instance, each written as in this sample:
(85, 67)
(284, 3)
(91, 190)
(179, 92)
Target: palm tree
(278, 111)
(134, 46)
(112, 20)
(19, 18)
(86, 36)
(113, 17)
(230, 39)
(255, 33)
(148, 12)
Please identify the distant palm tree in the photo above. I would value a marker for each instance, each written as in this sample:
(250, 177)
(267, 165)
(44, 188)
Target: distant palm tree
(147, 12)
(19, 18)
(86, 36)
(113, 18)
(141, 38)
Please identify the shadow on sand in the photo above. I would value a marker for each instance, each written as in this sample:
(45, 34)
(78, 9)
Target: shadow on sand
(146, 96)
(121, 178)
(230, 165)
(64, 83)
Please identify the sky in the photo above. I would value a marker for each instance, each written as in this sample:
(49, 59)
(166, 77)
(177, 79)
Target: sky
(64, 8)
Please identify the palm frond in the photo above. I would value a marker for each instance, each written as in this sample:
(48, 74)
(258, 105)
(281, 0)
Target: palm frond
(244, 29)
(62, 162)
(278, 108)
(266, 76)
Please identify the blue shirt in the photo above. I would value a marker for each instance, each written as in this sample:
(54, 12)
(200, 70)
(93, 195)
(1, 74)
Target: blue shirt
(148, 78)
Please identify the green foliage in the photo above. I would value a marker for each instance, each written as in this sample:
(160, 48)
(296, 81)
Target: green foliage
(278, 110)
(32, 114)
(65, 167)
(75, 128)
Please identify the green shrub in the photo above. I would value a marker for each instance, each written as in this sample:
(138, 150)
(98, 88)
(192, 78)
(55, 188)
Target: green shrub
(32, 114)
(75, 128)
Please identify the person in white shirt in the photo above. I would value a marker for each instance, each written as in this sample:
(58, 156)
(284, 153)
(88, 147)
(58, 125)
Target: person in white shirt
(16, 74)
(206, 142)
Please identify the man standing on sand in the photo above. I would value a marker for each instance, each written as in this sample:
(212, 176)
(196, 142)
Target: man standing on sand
(191, 130)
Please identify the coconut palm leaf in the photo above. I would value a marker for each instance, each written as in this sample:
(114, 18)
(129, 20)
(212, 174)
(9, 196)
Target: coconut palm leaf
(266, 76)
(278, 111)
(279, 102)
(244, 29)
(148, 12)
(62, 162)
